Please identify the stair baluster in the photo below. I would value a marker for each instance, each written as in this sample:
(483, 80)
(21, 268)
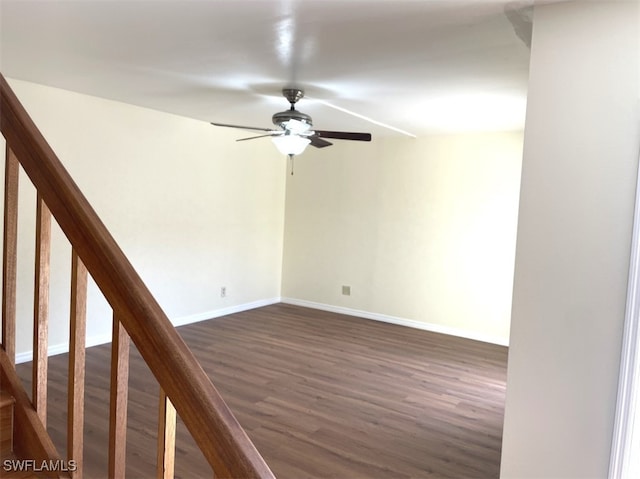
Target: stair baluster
(166, 437)
(118, 400)
(41, 309)
(77, 339)
(10, 254)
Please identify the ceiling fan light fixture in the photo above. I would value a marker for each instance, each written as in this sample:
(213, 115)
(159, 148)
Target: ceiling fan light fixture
(290, 144)
(296, 126)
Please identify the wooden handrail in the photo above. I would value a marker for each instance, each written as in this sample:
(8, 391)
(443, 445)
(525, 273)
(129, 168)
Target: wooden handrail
(222, 440)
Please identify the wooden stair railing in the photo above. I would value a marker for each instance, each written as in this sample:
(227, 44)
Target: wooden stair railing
(136, 315)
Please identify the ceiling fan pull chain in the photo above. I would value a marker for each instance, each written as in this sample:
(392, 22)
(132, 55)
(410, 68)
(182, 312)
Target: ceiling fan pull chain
(291, 158)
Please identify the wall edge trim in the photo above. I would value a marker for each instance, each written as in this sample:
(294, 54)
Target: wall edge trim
(629, 377)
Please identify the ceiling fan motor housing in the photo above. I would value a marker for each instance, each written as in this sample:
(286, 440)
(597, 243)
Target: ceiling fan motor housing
(282, 117)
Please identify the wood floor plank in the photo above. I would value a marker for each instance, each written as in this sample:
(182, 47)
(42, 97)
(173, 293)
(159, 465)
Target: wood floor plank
(320, 394)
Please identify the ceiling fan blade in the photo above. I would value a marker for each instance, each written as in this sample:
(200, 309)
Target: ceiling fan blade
(319, 142)
(257, 128)
(344, 135)
(274, 133)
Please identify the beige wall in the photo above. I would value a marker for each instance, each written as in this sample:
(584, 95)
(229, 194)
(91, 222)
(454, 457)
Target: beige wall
(192, 209)
(574, 233)
(423, 230)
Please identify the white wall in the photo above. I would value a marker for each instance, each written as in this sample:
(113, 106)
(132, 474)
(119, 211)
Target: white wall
(423, 230)
(575, 222)
(192, 209)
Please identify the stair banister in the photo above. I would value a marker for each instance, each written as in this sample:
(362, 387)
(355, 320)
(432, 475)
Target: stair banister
(223, 442)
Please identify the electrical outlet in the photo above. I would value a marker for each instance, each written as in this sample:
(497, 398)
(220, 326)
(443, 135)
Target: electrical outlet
(346, 290)
(223, 292)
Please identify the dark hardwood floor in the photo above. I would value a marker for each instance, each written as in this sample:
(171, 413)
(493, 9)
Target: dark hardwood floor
(320, 394)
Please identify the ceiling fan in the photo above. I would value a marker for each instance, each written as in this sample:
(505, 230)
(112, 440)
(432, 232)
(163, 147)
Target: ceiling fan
(295, 130)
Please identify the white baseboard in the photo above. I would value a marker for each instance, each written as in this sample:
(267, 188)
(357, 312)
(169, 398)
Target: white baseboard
(411, 323)
(194, 318)
(62, 348)
(97, 340)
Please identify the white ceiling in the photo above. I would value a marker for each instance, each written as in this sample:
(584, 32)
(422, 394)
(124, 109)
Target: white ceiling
(418, 66)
